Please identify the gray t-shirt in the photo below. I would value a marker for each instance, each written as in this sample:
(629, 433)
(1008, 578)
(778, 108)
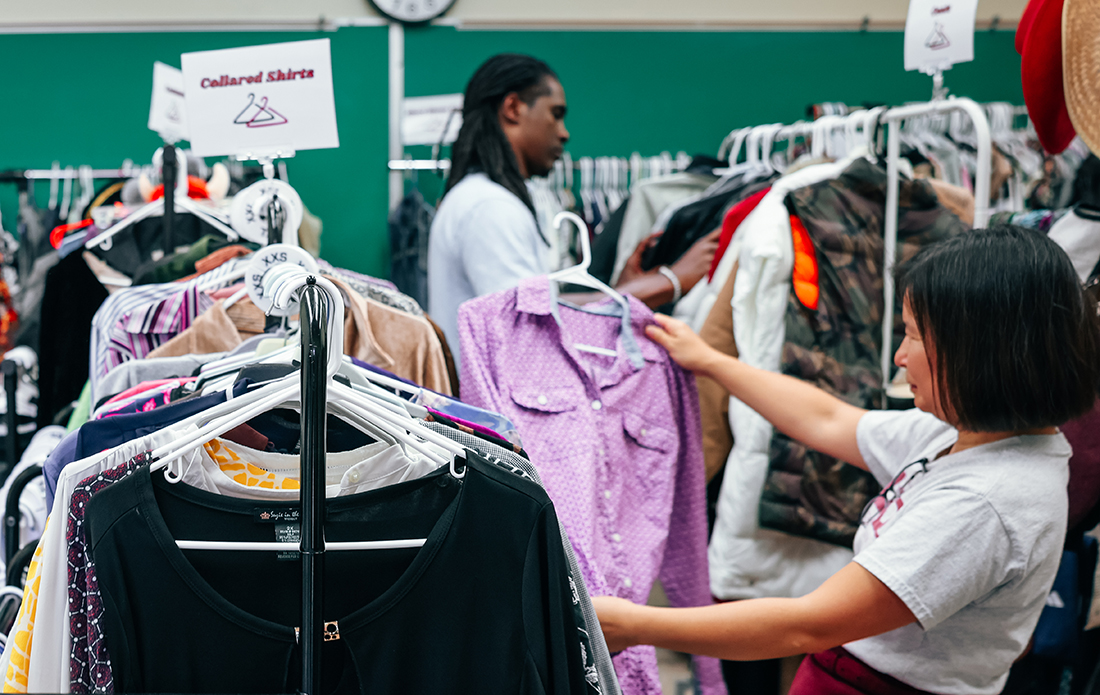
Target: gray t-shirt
(969, 541)
(483, 240)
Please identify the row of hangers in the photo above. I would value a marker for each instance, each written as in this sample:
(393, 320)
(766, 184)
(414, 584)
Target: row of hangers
(355, 395)
(841, 130)
(829, 136)
(604, 182)
(183, 203)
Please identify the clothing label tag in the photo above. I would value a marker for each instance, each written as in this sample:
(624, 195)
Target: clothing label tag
(277, 516)
(167, 110)
(424, 118)
(288, 533)
(939, 33)
(258, 101)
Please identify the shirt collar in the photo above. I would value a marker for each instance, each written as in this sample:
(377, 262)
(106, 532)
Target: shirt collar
(539, 297)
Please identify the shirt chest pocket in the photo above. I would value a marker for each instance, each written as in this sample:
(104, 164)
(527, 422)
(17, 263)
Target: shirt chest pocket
(549, 422)
(547, 401)
(650, 451)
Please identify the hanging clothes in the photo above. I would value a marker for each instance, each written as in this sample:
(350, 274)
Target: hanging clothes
(747, 561)
(648, 199)
(833, 336)
(697, 219)
(583, 416)
(714, 399)
(410, 224)
(696, 305)
(71, 299)
(525, 649)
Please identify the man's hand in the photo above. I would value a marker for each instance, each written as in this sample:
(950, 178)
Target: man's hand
(685, 347)
(633, 268)
(694, 265)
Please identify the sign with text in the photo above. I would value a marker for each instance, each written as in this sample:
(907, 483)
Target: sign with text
(261, 100)
(939, 34)
(167, 110)
(424, 118)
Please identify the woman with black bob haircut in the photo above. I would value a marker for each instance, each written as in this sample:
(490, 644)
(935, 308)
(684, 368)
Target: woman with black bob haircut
(955, 557)
(1019, 353)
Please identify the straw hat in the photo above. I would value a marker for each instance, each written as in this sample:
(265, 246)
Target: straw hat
(1039, 43)
(1081, 67)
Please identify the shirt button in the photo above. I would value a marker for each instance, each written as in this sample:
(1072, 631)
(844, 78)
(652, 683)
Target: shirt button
(353, 477)
(596, 405)
(643, 431)
(600, 452)
(607, 494)
(542, 400)
(627, 583)
(616, 537)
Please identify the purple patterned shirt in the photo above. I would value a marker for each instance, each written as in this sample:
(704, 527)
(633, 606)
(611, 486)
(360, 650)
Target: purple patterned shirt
(143, 329)
(89, 662)
(616, 440)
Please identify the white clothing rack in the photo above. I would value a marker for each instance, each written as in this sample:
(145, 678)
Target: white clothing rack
(893, 118)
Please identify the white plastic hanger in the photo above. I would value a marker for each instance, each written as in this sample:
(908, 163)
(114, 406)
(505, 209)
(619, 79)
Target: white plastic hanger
(283, 290)
(183, 203)
(55, 169)
(578, 275)
(66, 193)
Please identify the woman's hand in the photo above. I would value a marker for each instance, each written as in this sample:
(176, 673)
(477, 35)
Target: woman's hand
(616, 617)
(685, 347)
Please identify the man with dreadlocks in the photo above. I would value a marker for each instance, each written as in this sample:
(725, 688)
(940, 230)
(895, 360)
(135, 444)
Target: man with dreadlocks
(484, 237)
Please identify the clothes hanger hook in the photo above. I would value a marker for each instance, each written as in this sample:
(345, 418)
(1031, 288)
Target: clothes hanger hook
(582, 232)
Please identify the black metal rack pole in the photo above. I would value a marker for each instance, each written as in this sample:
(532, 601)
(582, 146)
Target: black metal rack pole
(275, 220)
(314, 331)
(13, 514)
(10, 368)
(168, 175)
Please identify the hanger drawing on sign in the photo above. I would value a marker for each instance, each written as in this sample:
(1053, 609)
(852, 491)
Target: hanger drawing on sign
(262, 117)
(238, 120)
(937, 39)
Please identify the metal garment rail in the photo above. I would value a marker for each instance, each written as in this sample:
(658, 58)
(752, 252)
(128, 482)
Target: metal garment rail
(17, 175)
(314, 330)
(893, 119)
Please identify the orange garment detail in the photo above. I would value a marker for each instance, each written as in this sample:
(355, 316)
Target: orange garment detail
(804, 275)
(196, 188)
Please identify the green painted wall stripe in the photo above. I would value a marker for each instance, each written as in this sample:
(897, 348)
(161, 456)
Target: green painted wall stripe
(84, 98)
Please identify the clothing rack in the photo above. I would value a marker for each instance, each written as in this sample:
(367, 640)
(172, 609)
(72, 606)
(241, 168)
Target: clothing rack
(892, 119)
(314, 384)
(168, 174)
(21, 175)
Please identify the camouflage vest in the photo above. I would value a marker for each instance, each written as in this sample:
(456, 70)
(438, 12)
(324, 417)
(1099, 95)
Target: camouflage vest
(837, 346)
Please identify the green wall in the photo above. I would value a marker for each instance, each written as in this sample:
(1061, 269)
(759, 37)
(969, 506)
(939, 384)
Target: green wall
(84, 98)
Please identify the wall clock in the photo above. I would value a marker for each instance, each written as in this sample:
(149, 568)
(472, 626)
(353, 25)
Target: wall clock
(412, 11)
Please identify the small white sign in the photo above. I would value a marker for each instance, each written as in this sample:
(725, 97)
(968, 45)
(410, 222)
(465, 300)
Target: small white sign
(939, 33)
(167, 110)
(424, 119)
(261, 100)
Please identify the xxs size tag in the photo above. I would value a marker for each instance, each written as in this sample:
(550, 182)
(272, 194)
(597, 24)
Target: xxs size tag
(288, 533)
(276, 516)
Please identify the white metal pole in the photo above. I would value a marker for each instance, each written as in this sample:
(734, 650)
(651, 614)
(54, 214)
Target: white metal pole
(982, 179)
(893, 118)
(890, 235)
(397, 98)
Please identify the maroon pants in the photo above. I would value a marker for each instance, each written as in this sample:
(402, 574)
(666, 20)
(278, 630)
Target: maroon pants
(836, 672)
